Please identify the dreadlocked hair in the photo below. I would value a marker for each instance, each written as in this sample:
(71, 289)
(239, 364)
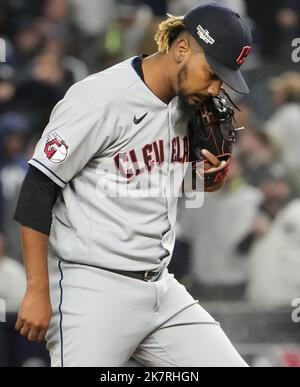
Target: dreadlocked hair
(168, 31)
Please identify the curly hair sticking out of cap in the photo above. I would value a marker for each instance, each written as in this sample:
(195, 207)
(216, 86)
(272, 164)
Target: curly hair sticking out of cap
(168, 31)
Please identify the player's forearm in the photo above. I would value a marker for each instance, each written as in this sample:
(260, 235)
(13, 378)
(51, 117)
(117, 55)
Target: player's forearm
(35, 310)
(34, 213)
(35, 255)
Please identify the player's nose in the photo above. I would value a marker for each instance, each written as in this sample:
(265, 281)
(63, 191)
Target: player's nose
(215, 87)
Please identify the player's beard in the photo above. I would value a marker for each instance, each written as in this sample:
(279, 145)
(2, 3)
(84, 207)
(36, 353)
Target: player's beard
(186, 108)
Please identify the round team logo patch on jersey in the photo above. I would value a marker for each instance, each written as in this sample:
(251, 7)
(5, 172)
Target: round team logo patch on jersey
(56, 148)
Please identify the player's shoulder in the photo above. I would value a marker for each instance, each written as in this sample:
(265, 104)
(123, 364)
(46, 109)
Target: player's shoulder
(103, 88)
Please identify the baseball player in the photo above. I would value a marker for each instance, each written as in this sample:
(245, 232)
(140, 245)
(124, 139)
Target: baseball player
(98, 285)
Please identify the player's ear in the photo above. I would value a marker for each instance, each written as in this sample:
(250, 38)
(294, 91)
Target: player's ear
(181, 49)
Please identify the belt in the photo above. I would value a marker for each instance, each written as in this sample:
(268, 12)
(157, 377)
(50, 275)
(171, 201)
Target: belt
(148, 276)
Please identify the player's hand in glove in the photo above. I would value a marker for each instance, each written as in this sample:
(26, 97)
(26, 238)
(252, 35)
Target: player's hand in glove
(213, 166)
(211, 138)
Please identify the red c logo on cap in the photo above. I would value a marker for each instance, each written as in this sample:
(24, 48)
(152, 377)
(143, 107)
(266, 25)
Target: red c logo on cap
(243, 55)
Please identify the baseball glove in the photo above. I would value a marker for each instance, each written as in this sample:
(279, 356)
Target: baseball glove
(211, 128)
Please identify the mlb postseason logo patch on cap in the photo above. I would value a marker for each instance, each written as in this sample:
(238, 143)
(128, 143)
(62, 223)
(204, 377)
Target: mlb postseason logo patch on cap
(56, 148)
(204, 35)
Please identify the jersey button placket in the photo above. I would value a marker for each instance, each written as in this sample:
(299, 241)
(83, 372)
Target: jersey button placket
(157, 304)
(169, 171)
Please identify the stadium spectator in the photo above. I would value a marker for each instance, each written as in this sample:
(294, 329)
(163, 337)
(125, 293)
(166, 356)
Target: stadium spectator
(12, 275)
(13, 165)
(276, 21)
(257, 152)
(274, 261)
(283, 125)
(217, 270)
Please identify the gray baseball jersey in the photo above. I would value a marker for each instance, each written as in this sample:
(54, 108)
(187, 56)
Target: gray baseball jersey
(119, 154)
(107, 138)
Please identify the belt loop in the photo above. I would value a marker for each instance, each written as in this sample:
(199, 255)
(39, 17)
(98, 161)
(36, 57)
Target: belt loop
(153, 278)
(146, 276)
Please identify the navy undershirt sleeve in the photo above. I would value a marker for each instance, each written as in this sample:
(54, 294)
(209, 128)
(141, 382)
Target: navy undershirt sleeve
(37, 198)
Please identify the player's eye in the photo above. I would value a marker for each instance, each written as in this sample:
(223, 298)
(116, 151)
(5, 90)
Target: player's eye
(214, 77)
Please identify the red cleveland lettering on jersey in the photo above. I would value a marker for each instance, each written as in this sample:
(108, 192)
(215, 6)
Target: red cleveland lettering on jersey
(128, 164)
(122, 163)
(147, 154)
(180, 154)
(243, 55)
(158, 147)
(135, 162)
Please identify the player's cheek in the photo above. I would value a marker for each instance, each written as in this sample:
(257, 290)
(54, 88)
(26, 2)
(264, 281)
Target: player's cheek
(199, 82)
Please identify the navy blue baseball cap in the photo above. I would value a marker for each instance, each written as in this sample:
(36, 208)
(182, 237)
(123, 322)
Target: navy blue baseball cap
(226, 40)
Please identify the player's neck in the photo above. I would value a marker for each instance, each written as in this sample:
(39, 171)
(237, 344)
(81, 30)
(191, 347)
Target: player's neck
(156, 75)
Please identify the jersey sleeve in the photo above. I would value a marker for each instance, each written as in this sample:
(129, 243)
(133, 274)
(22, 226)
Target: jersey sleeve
(75, 134)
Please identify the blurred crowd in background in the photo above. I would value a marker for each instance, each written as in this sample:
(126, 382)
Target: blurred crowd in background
(244, 243)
